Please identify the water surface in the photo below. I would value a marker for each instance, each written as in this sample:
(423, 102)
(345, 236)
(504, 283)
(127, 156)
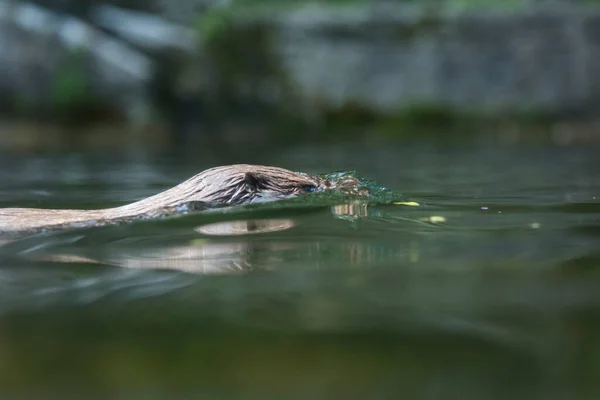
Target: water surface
(487, 289)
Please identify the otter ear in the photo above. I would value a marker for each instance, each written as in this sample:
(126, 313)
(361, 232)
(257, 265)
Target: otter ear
(254, 181)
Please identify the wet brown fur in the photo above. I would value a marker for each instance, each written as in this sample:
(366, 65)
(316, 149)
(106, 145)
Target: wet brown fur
(227, 185)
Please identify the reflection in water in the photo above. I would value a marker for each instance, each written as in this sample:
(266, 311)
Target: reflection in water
(351, 211)
(223, 249)
(246, 227)
(207, 255)
(198, 257)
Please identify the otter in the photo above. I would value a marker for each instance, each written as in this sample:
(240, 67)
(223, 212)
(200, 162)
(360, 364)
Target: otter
(220, 186)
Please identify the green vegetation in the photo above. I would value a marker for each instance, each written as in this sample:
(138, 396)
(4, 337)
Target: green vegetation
(213, 23)
(245, 75)
(72, 98)
(69, 97)
(70, 84)
(415, 121)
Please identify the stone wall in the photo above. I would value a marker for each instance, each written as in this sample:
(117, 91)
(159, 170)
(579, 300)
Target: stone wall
(379, 55)
(546, 61)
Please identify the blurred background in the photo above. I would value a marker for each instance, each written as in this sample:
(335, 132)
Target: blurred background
(471, 271)
(147, 75)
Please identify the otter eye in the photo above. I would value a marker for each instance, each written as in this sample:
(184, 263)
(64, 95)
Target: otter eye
(309, 188)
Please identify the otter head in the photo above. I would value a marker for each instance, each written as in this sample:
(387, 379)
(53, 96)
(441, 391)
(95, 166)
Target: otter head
(344, 183)
(244, 184)
(239, 184)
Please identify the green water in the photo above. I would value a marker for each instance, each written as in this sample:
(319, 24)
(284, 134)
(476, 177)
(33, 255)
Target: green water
(489, 289)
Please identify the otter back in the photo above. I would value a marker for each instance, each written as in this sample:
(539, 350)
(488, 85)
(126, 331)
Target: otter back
(226, 185)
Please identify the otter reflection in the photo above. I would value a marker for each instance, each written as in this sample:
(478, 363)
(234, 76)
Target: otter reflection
(206, 255)
(246, 227)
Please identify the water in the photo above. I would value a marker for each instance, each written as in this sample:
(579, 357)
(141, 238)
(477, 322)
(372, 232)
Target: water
(488, 289)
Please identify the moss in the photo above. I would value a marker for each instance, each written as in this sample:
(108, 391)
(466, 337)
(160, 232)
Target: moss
(428, 116)
(438, 122)
(417, 120)
(70, 83)
(69, 100)
(351, 114)
(213, 23)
